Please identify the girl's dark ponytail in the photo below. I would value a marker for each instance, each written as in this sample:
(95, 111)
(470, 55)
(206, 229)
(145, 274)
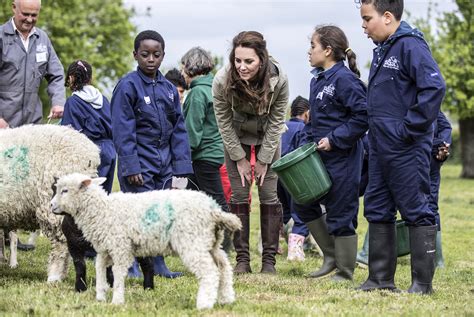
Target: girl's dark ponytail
(332, 36)
(351, 61)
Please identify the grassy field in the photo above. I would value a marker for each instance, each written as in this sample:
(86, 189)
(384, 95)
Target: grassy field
(24, 291)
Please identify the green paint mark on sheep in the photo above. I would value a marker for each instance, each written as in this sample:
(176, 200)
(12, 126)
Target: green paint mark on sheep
(17, 161)
(170, 216)
(151, 216)
(159, 217)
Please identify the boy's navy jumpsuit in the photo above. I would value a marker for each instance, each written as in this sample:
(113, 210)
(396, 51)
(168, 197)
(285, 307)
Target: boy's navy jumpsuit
(403, 100)
(150, 138)
(149, 132)
(337, 111)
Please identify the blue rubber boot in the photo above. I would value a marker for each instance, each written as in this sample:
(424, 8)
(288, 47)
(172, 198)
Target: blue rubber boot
(134, 270)
(439, 251)
(363, 255)
(162, 270)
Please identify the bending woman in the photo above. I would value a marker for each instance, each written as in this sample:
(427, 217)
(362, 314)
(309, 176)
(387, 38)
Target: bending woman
(250, 102)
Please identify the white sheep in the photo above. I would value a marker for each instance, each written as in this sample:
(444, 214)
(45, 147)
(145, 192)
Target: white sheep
(32, 157)
(122, 226)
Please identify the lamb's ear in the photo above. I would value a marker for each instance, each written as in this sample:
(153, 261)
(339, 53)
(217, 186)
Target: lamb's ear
(99, 180)
(85, 183)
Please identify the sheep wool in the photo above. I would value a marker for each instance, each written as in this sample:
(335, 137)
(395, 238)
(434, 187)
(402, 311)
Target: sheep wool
(122, 226)
(32, 158)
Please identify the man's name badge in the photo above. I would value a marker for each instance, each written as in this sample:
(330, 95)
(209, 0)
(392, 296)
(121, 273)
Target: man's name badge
(147, 100)
(41, 57)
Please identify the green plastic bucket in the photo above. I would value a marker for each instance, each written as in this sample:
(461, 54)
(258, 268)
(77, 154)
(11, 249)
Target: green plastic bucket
(403, 238)
(303, 174)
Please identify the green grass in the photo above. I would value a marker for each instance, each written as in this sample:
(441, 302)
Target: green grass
(24, 291)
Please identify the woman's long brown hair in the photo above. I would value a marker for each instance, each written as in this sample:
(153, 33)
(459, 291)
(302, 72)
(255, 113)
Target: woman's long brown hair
(257, 90)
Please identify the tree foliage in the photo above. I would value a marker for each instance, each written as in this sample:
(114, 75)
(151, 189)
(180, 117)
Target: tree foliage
(100, 32)
(453, 48)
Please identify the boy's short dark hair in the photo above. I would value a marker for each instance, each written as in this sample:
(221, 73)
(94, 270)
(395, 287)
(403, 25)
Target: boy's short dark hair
(395, 7)
(175, 77)
(149, 35)
(299, 106)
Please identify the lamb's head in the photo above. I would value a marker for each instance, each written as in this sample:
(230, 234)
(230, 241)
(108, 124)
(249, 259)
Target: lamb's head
(70, 191)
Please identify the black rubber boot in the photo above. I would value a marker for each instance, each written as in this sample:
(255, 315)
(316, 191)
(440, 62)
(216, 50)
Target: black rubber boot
(241, 238)
(382, 257)
(346, 252)
(319, 230)
(270, 221)
(423, 253)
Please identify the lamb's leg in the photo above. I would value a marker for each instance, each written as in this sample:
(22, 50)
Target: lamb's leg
(58, 260)
(226, 294)
(110, 276)
(120, 270)
(101, 279)
(146, 264)
(13, 249)
(80, 268)
(201, 263)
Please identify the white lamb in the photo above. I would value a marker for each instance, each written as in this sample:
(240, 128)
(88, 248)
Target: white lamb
(122, 226)
(32, 157)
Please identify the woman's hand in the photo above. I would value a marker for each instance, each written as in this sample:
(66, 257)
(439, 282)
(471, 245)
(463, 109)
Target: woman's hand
(136, 180)
(245, 171)
(260, 172)
(324, 145)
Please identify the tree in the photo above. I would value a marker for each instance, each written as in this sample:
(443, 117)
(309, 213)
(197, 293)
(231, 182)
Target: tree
(453, 48)
(98, 31)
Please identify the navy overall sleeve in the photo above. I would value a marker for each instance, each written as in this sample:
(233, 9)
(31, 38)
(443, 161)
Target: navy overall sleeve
(353, 97)
(124, 129)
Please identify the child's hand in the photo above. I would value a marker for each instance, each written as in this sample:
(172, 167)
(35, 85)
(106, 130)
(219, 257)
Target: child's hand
(443, 152)
(136, 180)
(324, 145)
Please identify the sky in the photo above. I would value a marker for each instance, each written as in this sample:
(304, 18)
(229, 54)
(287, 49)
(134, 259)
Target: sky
(286, 25)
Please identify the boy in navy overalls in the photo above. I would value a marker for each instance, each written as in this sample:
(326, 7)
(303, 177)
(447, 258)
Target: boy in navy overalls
(403, 100)
(148, 127)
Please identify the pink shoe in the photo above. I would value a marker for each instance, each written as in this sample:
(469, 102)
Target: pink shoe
(295, 247)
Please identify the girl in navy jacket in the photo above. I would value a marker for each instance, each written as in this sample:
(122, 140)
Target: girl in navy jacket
(338, 120)
(88, 111)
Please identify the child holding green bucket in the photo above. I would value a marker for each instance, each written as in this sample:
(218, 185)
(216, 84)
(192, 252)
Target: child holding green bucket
(338, 120)
(289, 142)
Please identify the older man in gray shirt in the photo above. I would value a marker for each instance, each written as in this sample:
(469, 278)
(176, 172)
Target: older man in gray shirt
(26, 57)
